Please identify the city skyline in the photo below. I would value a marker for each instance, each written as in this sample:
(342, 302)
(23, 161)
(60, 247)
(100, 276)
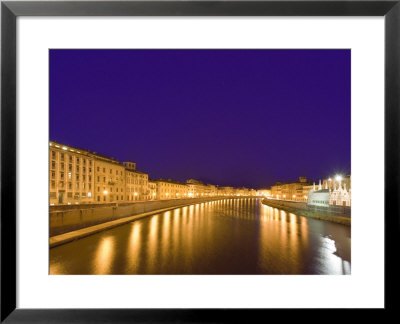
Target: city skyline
(192, 178)
(242, 118)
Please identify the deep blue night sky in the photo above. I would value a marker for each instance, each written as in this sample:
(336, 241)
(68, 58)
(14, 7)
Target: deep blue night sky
(227, 117)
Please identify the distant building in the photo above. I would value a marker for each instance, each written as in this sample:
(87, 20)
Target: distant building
(263, 193)
(136, 183)
(169, 189)
(318, 197)
(297, 190)
(340, 196)
(324, 196)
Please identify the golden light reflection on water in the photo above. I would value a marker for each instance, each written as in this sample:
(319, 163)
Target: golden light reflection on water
(104, 256)
(226, 237)
(281, 240)
(133, 251)
(152, 240)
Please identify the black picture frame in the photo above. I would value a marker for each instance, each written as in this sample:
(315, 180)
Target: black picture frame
(10, 10)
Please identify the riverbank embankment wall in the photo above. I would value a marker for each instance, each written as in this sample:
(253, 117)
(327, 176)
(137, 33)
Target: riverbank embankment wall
(63, 219)
(337, 214)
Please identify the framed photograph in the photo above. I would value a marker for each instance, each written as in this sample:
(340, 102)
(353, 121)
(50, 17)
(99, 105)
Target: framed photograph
(194, 161)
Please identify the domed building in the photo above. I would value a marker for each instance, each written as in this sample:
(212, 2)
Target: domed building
(320, 197)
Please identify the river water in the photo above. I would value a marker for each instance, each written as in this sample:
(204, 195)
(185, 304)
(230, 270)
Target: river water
(230, 236)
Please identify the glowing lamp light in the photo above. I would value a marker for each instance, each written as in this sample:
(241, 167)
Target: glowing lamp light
(135, 193)
(105, 192)
(64, 148)
(338, 178)
(89, 194)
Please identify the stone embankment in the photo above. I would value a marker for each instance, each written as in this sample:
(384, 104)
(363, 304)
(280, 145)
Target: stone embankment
(68, 223)
(336, 214)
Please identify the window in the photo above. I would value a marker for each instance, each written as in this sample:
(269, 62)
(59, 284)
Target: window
(90, 170)
(70, 159)
(98, 169)
(77, 177)
(98, 189)
(77, 185)
(98, 179)
(70, 185)
(90, 162)
(84, 169)
(53, 184)
(90, 186)
(69, 194)
(83, 178)
(53, 174)
(77, 160)
(53, 164)
(98, 198)
(52, 195)
(69, 175)
(84, 161)
(110, 171)
(62, 175)
(104, 170)
(104, 179)
(62, 156)
(77, 168)
(69, 167)
(90, 178)
(62, 166)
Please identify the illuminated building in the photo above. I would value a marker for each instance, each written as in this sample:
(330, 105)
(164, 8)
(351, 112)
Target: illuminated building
(196, 188)
(79, 176)
(109, 179)
(264, 193)
(136, 183)
(339, 195)
(168, 189)
(152, 185)
(318, 197)
(71, 175)
(296, 191)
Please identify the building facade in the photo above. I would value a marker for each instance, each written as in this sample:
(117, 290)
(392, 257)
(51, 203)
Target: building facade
(136, 183)
(79, 176)
(168, 189)
(109, 180)
(71, 175)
